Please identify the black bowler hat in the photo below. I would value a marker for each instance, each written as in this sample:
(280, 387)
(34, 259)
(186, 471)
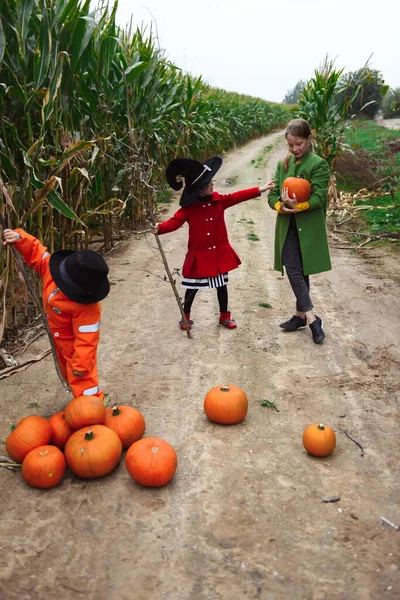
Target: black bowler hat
(80, 274)
(197, 176)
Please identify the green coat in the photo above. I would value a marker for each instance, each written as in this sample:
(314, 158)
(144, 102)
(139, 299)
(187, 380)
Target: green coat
(311, 223)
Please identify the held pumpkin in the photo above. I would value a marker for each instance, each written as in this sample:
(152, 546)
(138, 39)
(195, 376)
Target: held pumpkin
(127, 422)
(85, 410)
(319, 440)
(151, 462)
(93, 451)
(31, 432)
(44, 467)
(298, 186)
(61, 430)
(226, 404)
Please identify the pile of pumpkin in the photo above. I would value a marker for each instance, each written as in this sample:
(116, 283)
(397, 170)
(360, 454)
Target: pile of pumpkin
(89, 438)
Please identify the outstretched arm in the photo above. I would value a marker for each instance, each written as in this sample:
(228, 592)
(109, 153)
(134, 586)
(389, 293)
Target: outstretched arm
(30, 247)
(267, 186)
(171, 224)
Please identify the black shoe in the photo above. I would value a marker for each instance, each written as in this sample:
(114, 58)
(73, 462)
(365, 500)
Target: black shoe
(294, 324)
(318, 335)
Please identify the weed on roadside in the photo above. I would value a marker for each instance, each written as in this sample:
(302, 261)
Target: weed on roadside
(269, 404)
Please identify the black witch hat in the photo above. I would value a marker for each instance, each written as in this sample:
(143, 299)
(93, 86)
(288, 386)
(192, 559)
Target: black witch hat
(80, 274)
(197, 176)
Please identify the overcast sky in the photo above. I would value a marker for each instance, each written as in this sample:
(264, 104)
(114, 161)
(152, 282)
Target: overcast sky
(263, 47)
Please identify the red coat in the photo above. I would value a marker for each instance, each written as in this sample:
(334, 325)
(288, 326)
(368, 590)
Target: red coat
(209, 251)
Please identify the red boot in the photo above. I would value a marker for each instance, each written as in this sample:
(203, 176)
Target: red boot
(226, 321)
(182, 324)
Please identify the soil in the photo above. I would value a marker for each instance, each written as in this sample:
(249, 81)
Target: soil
(244, 516)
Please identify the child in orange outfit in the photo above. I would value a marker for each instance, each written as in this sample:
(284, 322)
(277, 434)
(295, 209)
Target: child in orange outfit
(73, 284)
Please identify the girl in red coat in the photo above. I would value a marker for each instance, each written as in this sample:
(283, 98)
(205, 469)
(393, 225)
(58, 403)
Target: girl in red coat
(209, 256)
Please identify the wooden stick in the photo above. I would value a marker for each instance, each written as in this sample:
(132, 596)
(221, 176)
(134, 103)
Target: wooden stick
(387, 522)
(355, 441)
(161, 249)
(167, 269)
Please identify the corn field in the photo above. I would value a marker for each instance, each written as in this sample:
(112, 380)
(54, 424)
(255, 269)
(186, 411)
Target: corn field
(90, 116)
(326, 104)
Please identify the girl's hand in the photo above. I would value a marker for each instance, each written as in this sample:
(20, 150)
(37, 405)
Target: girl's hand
(10, 237)
(154, 229)
(291, 202)
(284, 210)
(267, 186)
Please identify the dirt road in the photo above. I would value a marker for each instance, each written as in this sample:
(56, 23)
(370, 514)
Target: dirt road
(244, 516)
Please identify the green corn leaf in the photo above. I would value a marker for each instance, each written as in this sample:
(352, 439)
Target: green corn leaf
(81, 37)
(107, 52)
(55, 200)
(43, 50)
(90, 97)
(89, 29)
(45, 191)
(8, 166)
(70, 152)
(2, 42)
(132, 72)
(24, 15)
(52, 90)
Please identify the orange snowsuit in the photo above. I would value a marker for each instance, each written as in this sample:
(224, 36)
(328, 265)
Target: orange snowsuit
(75, 327)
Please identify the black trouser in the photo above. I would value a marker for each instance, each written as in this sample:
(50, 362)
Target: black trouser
(222, 294)
(291, 257)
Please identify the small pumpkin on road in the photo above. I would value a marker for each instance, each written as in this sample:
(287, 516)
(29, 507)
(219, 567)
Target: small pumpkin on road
(31, 432)
(93, 451)
(319, 440)
(127, 422)
(151, 462)
(61, 430)
(44, 467)
(85, 410)
(226, 404)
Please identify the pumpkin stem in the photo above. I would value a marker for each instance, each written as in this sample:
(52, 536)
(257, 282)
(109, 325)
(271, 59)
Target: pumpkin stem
(321, 427)
(115, 411)
(89, 435)
(224, 388)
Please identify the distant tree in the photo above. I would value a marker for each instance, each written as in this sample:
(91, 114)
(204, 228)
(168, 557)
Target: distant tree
(391, 104)
(292, 96)
(369, 99)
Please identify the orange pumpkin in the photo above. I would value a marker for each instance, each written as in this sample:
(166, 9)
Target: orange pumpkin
(93, 451)
(61, 430)
(85, 410)
(151, 462)
(226, 405)
(44, 467)
(298, 186)
(127, 422)
(319, 440)
(31, 432)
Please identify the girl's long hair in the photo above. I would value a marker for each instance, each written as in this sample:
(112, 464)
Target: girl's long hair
(298, 128)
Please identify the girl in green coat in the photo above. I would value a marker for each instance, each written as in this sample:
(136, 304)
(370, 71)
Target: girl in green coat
(301, 243)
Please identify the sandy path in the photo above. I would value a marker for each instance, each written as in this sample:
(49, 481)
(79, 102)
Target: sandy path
(243, 517)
